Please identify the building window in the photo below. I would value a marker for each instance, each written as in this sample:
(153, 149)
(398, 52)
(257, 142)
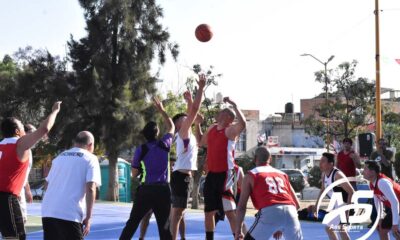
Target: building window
(241, 144)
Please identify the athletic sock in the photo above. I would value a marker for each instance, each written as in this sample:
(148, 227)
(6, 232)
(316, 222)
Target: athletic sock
(209, 235)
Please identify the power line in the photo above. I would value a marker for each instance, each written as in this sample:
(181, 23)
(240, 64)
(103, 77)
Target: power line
(350, 29)
(390, 9)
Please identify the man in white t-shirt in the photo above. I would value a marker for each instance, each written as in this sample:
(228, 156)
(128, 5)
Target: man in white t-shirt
(72, 182)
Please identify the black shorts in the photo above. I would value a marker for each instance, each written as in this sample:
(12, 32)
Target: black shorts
(387, 220)
(11, 220)
(54, 228)
(214, 187)
(179, 189)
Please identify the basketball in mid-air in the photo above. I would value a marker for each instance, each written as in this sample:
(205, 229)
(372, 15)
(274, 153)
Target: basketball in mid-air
(203, 33)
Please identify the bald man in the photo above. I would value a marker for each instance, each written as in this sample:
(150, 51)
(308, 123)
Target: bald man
(74, 175)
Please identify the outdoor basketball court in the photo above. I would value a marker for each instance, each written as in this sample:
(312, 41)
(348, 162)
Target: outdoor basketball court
(109, 219)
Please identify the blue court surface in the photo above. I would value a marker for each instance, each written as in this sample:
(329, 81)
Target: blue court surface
(109, 219)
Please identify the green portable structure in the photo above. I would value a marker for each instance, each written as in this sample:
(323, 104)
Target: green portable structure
(124, 180)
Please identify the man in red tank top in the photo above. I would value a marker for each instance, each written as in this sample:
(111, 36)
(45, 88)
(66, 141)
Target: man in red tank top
(386, 191)
(347, 160)
(220, 140)
(274, 198)
(14, 160)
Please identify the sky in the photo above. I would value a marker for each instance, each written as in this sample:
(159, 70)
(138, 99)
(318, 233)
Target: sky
(256, 44)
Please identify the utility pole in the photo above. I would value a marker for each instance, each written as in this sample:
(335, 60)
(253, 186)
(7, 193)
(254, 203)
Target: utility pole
(328, 136)
(378, 113)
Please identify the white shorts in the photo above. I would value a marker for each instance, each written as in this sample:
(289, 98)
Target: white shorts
(228, 204)
(22, 204)
(228, 198)
(276, 218)
(334, 223)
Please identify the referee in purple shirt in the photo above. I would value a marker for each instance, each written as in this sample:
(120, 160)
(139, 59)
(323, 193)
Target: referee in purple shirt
(154, 193)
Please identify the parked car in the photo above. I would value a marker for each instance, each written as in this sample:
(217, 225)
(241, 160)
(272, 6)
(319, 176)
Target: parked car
(37, 189)
(297, 178)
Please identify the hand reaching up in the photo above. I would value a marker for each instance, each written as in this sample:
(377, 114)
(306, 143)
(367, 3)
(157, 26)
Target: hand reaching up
(56, 106)
(202, 81)
(228, 100)
(158, 104)
(187, 96)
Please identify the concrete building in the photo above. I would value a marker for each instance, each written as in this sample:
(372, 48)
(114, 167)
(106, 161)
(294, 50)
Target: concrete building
(248, 138)
(391, 101)
(295, 158)
(289, 129)
(289, 144)
(285, 137)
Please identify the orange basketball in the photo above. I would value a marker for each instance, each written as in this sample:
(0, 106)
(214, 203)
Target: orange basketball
(203, 33)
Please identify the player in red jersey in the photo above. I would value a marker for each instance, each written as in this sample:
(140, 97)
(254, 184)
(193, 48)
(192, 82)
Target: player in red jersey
(220, 140)
(386, 191)
(273, 197)
(348, 160)
(14, 161)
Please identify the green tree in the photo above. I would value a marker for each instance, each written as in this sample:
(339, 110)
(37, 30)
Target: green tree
(8, 84)
(30, 82)
(8, 69)
(112, 65)
(173, 104)
(349, 107)
(41, 81)
(391, 129)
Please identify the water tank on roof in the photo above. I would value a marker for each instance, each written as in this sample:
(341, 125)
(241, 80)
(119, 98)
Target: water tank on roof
(289, 107)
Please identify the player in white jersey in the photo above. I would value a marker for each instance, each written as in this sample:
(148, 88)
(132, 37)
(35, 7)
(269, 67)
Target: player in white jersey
(186, 151)
(331, 174)
(272, 194)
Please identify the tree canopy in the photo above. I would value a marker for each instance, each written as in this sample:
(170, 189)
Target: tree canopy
(108, 87)
(349, 106)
